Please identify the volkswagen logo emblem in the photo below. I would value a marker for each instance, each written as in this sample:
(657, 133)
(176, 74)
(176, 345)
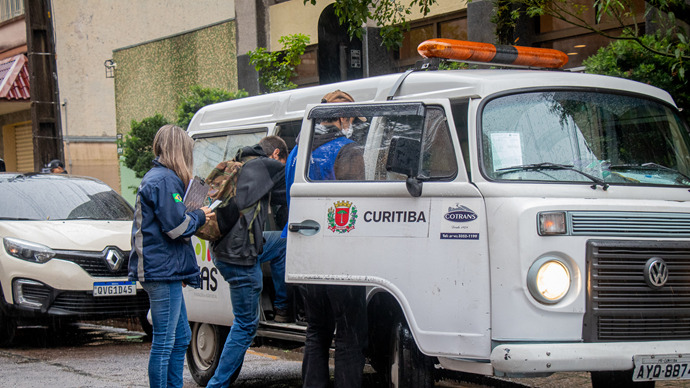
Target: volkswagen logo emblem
(656, 272)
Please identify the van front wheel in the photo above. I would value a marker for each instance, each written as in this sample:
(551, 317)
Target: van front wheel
(408, 367)
(205, 348)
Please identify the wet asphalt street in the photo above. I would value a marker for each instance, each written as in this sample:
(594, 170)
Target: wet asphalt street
(99, 354)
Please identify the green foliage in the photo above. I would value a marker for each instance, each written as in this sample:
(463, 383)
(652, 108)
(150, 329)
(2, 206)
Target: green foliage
(277, 67)
(452, 65)
(618, 13)
(505, 18)
(628, 59)
(138, 144)
(390, 16)
(198, 97)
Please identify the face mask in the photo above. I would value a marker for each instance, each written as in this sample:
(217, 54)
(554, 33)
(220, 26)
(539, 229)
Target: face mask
(347, 131)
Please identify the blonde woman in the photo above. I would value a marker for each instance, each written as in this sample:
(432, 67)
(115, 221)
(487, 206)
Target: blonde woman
(162, 256)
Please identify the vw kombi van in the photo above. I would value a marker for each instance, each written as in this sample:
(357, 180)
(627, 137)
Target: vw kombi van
(510, 222)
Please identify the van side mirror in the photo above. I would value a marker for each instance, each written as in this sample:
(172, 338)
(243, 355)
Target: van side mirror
(403, 158)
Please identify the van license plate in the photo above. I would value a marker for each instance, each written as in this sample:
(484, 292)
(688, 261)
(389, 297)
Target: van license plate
(114, 288)
(661, 367)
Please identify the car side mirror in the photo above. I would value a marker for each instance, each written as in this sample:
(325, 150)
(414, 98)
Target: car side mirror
(403, 158)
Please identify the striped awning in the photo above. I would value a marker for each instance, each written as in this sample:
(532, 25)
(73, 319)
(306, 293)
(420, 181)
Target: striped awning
(14, 78)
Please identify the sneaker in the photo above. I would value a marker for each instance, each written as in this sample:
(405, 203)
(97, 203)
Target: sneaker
(301, 320)
(282, 316)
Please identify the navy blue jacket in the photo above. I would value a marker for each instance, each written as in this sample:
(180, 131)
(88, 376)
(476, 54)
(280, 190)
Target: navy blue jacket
(161, 245)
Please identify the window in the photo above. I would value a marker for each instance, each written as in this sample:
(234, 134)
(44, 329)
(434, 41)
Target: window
(288, 131)
(578, 42)
(450, 27)
(10, 9)
(460, 110)
(58, 197)
(575, 136)
(308, 69)
(209, 151)
(365, 154)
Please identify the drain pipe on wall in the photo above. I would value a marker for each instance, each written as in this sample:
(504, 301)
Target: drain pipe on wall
(365, 52)
(65, 137)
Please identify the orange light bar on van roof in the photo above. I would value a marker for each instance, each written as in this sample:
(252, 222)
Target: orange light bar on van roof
(461, 50)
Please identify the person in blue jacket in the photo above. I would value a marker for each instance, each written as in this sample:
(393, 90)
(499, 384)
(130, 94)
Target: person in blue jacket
(162, 257)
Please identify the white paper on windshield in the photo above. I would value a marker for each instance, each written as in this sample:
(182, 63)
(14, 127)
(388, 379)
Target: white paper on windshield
(506, 149)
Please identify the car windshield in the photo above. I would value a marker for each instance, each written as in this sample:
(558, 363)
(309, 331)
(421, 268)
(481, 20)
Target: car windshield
(57, 197)
(575, 136)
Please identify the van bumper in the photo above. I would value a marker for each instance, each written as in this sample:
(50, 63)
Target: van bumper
(524, 359)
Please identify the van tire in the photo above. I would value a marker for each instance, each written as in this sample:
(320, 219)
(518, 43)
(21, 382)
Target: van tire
(617, 379)
(408, 367)
(205, 348)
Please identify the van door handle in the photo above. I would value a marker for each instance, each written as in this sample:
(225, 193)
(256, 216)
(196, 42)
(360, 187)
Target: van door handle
(306, 227)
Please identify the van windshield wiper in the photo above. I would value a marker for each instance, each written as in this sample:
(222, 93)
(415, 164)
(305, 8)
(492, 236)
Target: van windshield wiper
(652, 166)
(556, 166)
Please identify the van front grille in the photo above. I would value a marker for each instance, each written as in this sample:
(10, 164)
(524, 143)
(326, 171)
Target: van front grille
(639, 224)
(621, 306)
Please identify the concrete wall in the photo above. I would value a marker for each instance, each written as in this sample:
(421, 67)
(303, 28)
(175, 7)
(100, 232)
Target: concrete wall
(86, 33)
(12, 37)
(153, 76)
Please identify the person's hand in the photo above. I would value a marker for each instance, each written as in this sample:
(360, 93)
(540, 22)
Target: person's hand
(208, 213)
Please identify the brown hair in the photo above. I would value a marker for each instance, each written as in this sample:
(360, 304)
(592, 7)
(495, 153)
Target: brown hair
(173, 147)
(270, 143)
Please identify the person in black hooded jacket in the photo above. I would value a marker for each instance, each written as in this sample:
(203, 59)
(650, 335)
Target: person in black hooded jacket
(238, 255)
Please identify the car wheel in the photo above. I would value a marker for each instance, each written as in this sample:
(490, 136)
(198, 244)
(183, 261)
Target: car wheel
(408, 367)
(8, 329)
(617, 379)
(146, 326)
(203, 353)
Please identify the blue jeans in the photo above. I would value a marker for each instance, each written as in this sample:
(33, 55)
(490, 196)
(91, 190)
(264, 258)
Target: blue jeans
(245, 292)
(274, 251)
(171, 333)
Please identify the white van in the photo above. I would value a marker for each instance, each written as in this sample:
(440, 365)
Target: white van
(511, 223)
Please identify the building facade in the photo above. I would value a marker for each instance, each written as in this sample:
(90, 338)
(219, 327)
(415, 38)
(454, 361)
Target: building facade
(86, 34)
(332, 56)
(121, 60)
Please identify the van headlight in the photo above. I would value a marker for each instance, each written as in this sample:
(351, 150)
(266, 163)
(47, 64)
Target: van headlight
(27, 250)
(548, 279)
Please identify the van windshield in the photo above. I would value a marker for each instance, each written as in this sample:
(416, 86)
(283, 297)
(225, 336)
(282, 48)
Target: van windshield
(576, 136)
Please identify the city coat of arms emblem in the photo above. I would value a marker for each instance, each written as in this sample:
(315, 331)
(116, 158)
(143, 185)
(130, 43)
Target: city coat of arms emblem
(342, 217)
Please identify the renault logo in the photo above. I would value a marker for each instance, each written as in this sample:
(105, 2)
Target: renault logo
(114, 258)
(656, 272)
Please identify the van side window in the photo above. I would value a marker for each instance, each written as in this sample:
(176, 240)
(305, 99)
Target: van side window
(209, 151)
(372, 130)
(288, 131)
